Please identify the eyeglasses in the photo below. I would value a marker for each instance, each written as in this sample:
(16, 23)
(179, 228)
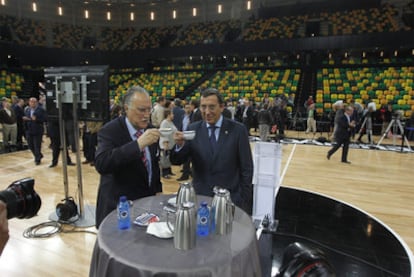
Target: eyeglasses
(143, 110)
(211, 108)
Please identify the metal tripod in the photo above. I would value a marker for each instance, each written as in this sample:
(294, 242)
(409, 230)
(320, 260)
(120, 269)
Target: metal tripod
(367, 132)
(394, 124)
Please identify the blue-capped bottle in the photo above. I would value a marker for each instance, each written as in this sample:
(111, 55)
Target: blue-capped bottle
(124, 217)
(203, 220)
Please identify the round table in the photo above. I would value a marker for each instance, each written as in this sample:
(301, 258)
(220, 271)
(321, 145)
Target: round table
(133, 252)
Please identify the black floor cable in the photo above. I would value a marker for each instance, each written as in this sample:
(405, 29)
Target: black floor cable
(53, 228)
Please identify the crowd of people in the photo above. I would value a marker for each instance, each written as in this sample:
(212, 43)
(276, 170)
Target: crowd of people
(25, 123)
(132, 156)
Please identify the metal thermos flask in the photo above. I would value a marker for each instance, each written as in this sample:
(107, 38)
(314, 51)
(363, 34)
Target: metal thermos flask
(223, 209)
(186, 193)
(185, 226)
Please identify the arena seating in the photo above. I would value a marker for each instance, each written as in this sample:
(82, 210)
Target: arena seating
(10, 83)
(253, 84)
(168, 84)
(350, 22)
(383, 85)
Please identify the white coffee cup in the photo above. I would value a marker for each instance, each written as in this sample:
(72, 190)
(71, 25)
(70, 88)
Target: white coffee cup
(165, 131)
(189, 135)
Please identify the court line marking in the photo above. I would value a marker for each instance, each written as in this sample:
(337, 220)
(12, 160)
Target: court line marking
(287, 164)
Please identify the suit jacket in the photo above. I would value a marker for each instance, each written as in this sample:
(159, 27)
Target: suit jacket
(230, 167)
(195, 116)
(178, 117)
(118, 160)
(35, 127)
(343, 131)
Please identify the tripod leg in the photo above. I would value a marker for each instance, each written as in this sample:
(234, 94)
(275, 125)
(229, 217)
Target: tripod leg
(404, 137)
(362, 128)
(386, 132)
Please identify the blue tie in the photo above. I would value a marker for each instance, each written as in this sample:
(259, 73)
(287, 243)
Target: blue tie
(213, 140)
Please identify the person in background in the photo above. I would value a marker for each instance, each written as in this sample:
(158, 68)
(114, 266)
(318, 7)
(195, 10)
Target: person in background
(308, 102)
(166, 144)
(311, 121)
(19, 111)
(231, 108)
(55, 141)
(111, 105)
(226, 112)
(34, 118)
(343, 132)
(9, 122)
(178, 113)
(195, 114)
(116, 112)
(220, 152)
(186, 170)
(279, 115)
(264, 119)
(246, 116)
(4, 226)
(158, 112)
(127, 157)
(386, 116)
(90, 140)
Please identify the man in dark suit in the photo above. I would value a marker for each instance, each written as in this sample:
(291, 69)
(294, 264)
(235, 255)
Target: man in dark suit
(195, 114)
(34, 118)
(344, 125)
(127, 157)
(220, 152)
(178, 112)
(55, 141)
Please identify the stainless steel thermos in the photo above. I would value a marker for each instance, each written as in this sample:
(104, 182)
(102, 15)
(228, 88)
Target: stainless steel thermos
(222, 211)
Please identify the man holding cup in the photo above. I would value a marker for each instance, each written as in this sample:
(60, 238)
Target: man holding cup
(219, 151)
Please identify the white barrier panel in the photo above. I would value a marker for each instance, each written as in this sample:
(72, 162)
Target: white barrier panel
(267, 158)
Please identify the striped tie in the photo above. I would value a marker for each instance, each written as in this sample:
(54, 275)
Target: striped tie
(143, 154)
(213, 140)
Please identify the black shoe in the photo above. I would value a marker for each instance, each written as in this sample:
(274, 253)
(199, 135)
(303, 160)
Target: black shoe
(183, 178)
(70, 163)
(53, 165)
(37, 162)
(86, 162)
(347, 162)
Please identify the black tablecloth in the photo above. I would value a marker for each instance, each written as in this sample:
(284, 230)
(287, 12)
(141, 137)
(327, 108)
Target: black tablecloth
(133, 252)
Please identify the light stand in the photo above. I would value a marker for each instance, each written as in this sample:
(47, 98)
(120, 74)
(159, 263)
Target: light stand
(395, 123)
(86, 214)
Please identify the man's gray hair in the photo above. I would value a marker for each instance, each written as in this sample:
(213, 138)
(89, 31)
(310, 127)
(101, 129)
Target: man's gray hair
(131, 92)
